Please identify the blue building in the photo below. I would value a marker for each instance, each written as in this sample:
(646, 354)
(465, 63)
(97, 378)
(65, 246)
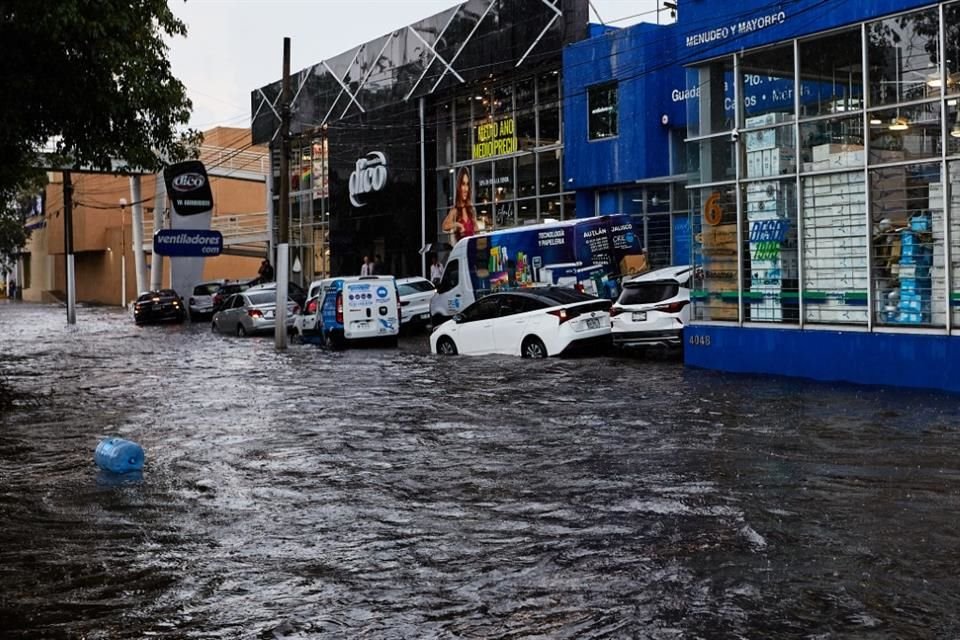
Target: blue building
(806, 155)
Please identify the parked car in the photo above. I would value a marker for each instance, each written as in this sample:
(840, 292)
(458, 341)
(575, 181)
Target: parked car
(306, 326)
(200, 302)
(653, 308)
(251, 312)
(415, 296)
(294, 291)
(228, 288)
(532, 323)
(163, 305)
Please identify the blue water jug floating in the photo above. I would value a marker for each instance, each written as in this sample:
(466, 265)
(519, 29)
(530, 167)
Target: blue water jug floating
(119, 455)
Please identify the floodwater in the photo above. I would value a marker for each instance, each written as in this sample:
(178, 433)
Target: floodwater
(381, 493)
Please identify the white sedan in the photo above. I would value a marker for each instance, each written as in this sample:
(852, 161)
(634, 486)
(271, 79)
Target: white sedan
(533, 323)
(415, 296)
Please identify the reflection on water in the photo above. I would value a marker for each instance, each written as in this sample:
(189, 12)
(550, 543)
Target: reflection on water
(392, 494)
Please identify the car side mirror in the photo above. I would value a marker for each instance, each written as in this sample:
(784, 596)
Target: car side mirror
(458, 318)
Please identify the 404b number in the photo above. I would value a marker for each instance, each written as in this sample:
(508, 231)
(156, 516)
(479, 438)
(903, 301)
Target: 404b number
(699, 341)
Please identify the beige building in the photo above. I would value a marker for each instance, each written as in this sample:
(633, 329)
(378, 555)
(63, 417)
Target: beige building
(102, 226)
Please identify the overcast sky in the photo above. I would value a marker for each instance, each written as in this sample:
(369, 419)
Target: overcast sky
(236, 46)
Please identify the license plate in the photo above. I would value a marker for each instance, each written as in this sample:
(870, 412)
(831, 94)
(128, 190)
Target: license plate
(157, 307)
(593, 323)
(639, 316)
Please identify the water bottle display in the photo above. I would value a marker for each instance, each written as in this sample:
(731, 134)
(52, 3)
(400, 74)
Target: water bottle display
(119, 455)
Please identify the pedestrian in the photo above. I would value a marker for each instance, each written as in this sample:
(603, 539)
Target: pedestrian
(266, 271)
(12, 291)
(436, 271)
(377, 265)
(366, 269)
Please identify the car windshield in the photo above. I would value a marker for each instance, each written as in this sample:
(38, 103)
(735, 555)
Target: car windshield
(167, 293)
(648, 292)
(419, 286)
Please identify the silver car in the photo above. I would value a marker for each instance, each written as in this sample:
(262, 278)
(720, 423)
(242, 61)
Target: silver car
(251, 312)
(201, 300)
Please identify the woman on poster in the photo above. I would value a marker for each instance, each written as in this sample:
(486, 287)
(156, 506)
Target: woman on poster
(461, 220)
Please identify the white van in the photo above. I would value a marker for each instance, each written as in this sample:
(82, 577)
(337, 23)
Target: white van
(355, 308)
(587, 253)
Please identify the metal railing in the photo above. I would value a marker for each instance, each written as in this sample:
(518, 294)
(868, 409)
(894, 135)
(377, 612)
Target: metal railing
(237, 228)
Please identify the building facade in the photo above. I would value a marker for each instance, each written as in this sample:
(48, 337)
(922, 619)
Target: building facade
(381, 133)
(103, 237)
(822, 142)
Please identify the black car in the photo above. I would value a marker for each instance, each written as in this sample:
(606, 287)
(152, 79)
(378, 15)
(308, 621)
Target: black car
(163, 305)
(229, 288)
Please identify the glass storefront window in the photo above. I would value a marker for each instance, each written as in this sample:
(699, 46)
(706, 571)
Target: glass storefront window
(483, 182)
(904, 58)
(608, 201)
(831, 72)
(715, 294)
(526, 175)
(444, 135)
(602, 111)
(549, 162)
(527, 211)
(951, 24)
(907, 245)
(569, 210)
(769, 151)
(834, 248)
(709, 99)
(905, 133)
(953, 133)
(502, 101)
(657, 240)
(525, 94)
(550, 209)
(771, 272)
(526, 130)
(945, 203)
(549, 125)
(716, 158)
(826, 143)
(503, 177)
(548, 87)
(767, 83)
(463, 142)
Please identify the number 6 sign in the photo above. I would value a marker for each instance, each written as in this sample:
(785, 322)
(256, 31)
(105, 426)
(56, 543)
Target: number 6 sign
(712, 211)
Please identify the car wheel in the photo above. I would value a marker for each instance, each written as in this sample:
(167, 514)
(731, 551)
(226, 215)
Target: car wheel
(533, 348)
(446, 346)
(241, 331)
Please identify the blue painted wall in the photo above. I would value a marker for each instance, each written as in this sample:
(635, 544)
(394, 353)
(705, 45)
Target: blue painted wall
(640, 59)
(903, 360)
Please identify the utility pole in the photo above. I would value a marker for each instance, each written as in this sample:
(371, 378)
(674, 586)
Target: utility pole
(282, 270)
(68, 248)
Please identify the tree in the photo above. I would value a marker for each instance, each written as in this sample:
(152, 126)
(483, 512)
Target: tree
(91, 80)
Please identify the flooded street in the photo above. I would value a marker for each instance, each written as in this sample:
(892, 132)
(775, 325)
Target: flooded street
(380, 493)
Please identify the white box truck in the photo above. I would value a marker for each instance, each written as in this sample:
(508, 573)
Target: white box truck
(586, 253)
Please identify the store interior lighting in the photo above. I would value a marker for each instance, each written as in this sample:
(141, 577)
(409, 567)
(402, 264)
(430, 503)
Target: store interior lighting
(955, 132)
(899, 124)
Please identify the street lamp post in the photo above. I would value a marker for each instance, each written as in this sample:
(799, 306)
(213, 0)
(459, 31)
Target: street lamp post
(123, 255)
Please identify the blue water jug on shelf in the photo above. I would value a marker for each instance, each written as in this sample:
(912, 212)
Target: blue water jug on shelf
(119, 455)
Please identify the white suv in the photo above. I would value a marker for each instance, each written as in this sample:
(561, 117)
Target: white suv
(653, 308)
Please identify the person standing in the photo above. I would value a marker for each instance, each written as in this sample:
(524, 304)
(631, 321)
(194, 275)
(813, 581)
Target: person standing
(366, 269)
(436, 271)
(377, 269)
(461, 220)
(266, 271)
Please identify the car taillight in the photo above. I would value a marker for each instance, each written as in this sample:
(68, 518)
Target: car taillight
(673, 307)
(254, 313)
(339, 307)
(579, 287)
(615, 311)
(312, 306)
(560, 313)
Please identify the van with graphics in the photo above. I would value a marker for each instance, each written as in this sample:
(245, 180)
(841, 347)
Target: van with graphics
(589, 254)
(358, 308)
